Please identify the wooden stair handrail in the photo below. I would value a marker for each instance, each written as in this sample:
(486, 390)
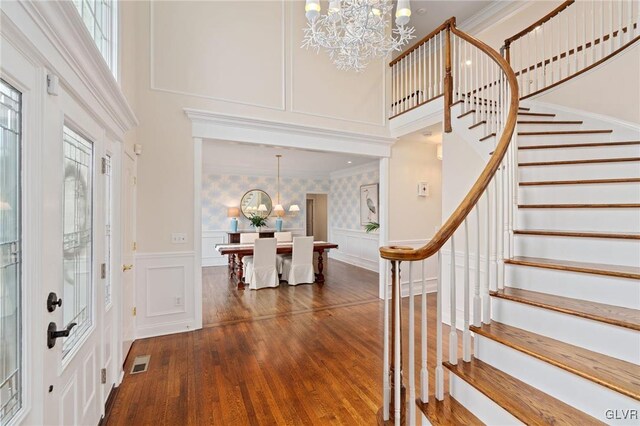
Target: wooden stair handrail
(458, 216)
(448, 23)
(539, 22)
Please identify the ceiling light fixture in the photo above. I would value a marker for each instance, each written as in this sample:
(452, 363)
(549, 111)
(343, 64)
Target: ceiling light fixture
(354, 32)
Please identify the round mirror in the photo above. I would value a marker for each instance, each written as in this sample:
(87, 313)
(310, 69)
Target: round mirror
(256, 202)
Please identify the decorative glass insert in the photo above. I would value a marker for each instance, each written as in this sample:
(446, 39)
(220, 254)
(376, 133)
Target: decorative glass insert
(108, 212)
(77, 236)
(100, 18)
(10, 256)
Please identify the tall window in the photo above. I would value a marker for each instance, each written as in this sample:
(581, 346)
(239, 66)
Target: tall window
(10, 257)
(108, 196)
(101, 19)
(78, 235)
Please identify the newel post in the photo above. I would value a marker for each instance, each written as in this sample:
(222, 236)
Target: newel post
(394, 411)
(507, 52)
(448, 80)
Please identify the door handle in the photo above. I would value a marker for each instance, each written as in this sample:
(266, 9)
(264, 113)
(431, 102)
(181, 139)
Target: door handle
(53, 302)
(126, 267)
(53, 333)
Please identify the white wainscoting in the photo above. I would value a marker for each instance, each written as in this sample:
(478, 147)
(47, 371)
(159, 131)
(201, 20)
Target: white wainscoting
(355, 247)
(165, 294)
(210, 257)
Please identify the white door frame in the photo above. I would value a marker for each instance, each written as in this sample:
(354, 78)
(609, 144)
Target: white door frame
(214, 126)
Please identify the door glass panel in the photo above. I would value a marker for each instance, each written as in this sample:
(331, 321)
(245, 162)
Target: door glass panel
(10, 257)
(78, 236)
(107, 229)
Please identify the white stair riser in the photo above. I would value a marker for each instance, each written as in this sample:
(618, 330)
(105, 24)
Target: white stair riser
(561, 154)
(595, 250)
(618, 342)
(627, 169)
(522, 117)
(572, 389)
(604, 220)
(628, 192)
(527, 127)
(479, 404)
(616, 291)
(555, 139)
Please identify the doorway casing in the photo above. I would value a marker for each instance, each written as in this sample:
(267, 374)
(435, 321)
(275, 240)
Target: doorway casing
(214, 126)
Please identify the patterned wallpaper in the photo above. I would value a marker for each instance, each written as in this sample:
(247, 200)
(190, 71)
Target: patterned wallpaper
(344, 197)
(222, 191)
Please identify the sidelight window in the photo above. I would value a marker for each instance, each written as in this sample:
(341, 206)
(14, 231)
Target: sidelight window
(77, 236)
(10, 256)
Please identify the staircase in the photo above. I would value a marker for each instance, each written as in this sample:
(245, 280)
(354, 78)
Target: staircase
(563, 343)
(550, 273)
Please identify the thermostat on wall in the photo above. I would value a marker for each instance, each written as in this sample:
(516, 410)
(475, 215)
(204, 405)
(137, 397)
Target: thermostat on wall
(423, 189)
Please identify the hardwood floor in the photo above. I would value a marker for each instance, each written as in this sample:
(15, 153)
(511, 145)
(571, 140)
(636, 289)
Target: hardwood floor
(288, 356)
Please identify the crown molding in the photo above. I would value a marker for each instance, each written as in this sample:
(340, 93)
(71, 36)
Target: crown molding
(54, 35)
(211, 125)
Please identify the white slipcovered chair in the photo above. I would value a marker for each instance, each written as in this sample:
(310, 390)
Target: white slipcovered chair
(248, 237)
(260, 269)
(298, 268)
(282, 237)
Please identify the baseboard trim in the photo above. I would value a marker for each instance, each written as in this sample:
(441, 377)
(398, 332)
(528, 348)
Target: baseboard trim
(108, 405)
(371, 265)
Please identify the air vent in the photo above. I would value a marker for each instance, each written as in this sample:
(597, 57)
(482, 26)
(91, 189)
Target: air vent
(140, 364)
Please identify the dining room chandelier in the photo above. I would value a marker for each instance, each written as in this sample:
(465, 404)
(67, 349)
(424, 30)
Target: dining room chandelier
(354, 32)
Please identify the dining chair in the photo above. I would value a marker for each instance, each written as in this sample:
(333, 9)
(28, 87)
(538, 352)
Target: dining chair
(260, 269)
(298, 269)
(282, 237)
(248, 237)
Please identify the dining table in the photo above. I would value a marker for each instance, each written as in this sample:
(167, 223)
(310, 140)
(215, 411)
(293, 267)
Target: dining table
(236, 251)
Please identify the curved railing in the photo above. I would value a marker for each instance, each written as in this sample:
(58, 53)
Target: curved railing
(570, 40)
(475, 80)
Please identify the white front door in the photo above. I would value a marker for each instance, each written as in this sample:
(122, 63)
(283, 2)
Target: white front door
(128, 251)
(53, 243)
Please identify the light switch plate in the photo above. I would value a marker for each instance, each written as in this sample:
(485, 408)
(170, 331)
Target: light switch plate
(423, 189)
(178, 238)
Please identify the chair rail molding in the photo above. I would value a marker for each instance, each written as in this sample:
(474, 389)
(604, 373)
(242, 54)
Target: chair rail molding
(60, 42)
(212, 125)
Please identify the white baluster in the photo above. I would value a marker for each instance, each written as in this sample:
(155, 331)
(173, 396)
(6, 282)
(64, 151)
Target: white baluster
(430, 64)
(453, 331)
(441, 79)
(629, 21)
(620, 24)
(424, 372)
(412, 350)
(439, 369)
(496, 227)
(486, 307)
(477, 301)
(425, 64)
(397, 382)
(466, 334)
(386, 386)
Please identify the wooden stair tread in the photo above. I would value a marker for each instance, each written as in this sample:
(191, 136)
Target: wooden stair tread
(578, 206)
(620, 376)
(471, 111)
(536, 114)
(563, 132)
(447, 412)
(549, 122)
(579, 182)
(588, 161)
(484, 138)
(614, 315)
(584, 267)
(579, 234)
(580, 145)
(524, 402)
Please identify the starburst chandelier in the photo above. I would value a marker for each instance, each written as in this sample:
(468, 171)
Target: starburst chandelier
(354, 32)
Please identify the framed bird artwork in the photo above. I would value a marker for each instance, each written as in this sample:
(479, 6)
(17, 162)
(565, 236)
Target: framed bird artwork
(369, 205)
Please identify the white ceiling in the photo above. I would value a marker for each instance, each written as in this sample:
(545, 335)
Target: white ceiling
(426, 15)
(260, 160)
